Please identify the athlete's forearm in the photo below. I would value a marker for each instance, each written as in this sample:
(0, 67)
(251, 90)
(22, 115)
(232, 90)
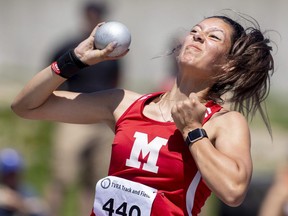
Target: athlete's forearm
(36, 92)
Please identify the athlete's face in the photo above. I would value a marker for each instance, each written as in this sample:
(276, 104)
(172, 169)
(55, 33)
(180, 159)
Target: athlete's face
(207, 45)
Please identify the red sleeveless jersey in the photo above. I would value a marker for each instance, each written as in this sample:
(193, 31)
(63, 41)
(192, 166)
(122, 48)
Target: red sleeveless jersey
(154, 153)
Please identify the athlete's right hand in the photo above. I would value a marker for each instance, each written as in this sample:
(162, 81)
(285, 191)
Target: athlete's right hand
(188, 114)
(87, 53)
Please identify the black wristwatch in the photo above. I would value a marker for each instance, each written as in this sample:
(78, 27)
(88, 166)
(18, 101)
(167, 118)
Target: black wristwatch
(195, 135)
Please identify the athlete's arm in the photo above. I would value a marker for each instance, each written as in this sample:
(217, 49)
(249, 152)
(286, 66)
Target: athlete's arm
(39, 100)
(223, 159)
(226, 166)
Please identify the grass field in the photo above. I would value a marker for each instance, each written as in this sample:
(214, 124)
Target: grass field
(33, 139)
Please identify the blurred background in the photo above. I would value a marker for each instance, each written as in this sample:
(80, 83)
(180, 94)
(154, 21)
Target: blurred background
(32, 30)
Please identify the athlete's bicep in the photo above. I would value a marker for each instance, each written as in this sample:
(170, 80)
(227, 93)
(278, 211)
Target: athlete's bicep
(233, 140)
(105, 106)
(78, 108)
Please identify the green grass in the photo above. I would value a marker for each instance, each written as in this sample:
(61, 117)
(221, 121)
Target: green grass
(277, 110)
(33, 140)
(277, 113)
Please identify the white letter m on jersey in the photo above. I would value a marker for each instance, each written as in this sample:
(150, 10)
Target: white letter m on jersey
(141, 145)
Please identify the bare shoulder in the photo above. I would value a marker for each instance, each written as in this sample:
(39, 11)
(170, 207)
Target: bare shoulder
(229, 118)
(229, 127)
(116, 98)
(127, 98)
(131, 96)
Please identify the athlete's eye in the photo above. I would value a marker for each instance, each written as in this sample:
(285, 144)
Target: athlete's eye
(193, 31)
(214, 36)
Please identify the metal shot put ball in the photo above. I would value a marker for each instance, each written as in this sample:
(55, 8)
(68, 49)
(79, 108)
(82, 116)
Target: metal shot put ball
(113, 31)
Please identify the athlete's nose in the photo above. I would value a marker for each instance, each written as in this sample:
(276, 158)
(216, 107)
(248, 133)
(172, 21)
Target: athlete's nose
(198, 37)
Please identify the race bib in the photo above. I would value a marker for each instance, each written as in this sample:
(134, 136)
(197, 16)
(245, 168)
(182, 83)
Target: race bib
(118, 196)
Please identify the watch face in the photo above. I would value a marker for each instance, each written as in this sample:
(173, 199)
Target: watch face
(195, 135)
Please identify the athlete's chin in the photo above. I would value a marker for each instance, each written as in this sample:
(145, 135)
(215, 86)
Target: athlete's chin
(188, 62)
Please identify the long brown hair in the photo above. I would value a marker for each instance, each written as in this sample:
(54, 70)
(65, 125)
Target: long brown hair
(248, 70)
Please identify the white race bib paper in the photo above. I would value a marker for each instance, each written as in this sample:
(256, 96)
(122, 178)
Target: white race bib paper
(117, 196)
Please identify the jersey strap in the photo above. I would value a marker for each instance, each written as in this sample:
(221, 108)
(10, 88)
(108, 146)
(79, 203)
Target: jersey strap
(212, 108)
